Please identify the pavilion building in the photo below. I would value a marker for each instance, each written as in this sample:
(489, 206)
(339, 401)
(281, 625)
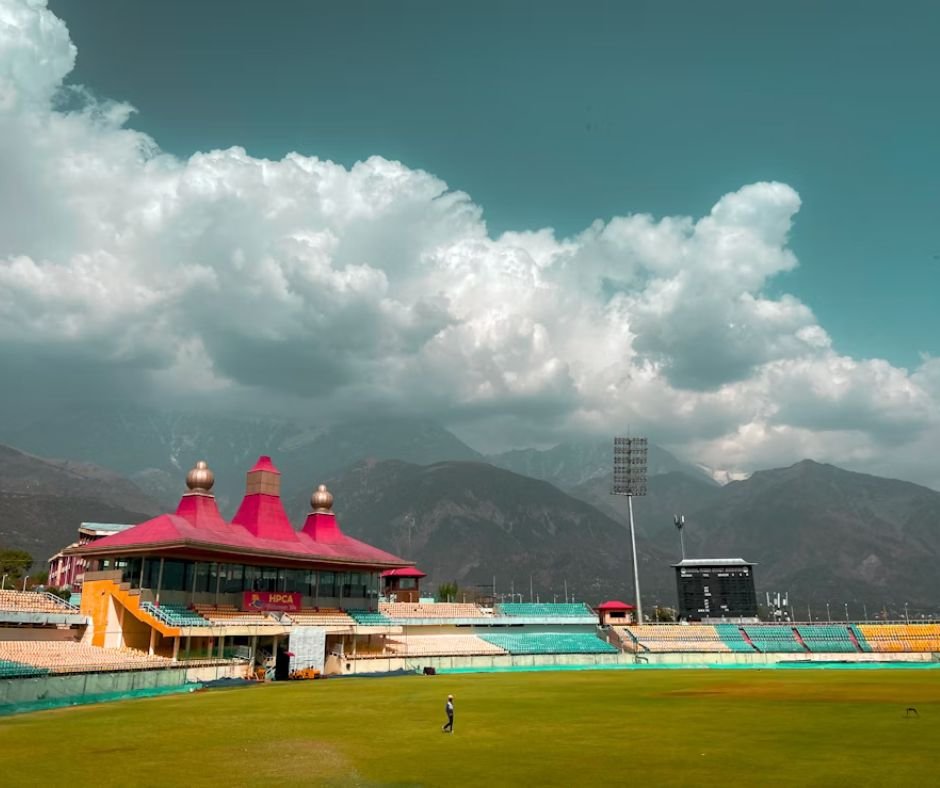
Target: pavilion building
(191, 582)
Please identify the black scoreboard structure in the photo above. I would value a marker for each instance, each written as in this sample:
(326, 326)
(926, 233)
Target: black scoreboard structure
(712, 589)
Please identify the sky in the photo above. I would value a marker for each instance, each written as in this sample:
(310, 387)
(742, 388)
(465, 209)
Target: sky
(715, 223)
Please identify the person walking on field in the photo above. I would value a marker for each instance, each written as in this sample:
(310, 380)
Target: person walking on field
(448, 727)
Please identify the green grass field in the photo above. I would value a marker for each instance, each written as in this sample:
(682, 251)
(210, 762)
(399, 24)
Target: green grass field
(652, 728)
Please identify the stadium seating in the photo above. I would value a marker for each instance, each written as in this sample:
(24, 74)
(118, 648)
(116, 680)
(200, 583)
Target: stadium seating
(33, 602)
(322, 617)
(821, 638)
(901, 637)
(175, 615)
(71, 657)
(369, 618)
(862, 642)
(542, 609)
(550, 643)
(430, 610)
(774, 639)
(443, 645)
(229, 615)
(731, 636)
(19, 670)
(665, 638)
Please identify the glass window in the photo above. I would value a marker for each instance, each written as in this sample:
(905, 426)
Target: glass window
(269, 579)
(327, 584)
(202, 578)
(174, 576)
(253, 578)
(232, 578)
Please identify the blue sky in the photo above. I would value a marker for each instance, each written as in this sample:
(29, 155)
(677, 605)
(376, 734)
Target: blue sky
(554, 114)
(713, 224)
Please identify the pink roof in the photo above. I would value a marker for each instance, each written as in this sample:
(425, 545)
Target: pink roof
(263, 515)
(614, 605)
(171, 530)
(264, 463)
(260, 528)
(407, 571)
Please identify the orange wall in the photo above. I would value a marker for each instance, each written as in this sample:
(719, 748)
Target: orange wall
(101, 600)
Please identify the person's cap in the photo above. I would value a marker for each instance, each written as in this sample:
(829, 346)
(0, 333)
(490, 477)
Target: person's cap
(450, 697)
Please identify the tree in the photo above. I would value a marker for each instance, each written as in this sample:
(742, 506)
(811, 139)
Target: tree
(447, 592)
(664, 614)
(14, 564)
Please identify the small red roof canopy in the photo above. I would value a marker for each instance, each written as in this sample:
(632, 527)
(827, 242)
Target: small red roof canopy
(407, 571)
(614, 604)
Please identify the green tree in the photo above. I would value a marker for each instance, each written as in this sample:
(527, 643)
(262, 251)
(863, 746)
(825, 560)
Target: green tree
(664, 614)
(15, 564)
(447, 592)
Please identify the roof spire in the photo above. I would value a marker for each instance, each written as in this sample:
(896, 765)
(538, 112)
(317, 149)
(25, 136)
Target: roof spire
(322, 500)
(200, 479)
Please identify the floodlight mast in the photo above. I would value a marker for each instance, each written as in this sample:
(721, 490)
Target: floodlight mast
(630, 457)
(679, 520)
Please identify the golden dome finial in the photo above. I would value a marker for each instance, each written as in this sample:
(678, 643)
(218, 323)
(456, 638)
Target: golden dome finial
(322, 499)
(200, 479)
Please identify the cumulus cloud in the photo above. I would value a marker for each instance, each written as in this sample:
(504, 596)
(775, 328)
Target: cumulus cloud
(301, 282)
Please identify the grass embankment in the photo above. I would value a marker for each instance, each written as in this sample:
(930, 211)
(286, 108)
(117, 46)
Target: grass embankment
(569, 729)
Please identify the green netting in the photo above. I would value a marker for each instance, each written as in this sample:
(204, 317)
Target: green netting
(15, 670)
(103, 697)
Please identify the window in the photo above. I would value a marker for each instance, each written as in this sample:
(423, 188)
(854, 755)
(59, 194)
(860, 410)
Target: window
(327, 584)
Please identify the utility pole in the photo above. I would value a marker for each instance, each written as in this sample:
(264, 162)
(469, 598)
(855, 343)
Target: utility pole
(679, 520)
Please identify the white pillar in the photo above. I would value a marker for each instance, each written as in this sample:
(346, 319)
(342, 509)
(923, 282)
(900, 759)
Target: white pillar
(159, 583)
(176, 649)
(153, 639)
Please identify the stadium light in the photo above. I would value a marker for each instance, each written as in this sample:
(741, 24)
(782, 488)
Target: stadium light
(630, 458)
(27, 578)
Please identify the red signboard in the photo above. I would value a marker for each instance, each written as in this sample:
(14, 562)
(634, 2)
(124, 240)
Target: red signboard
(271, 600)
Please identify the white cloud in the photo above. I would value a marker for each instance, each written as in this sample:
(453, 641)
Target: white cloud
(301, 281)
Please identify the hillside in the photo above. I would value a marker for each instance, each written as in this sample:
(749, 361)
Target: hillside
(827, 534)
(818, 531)
(468, 521)
(156, 448)
(569, 465)
(42, 502)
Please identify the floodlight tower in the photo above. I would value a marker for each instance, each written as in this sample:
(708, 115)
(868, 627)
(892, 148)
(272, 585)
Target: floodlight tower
(630, 456)
(679, 520)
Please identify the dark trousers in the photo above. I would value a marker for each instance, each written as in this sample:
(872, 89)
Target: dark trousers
(449, 726)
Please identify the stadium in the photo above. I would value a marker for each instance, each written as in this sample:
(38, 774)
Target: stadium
(188, 601)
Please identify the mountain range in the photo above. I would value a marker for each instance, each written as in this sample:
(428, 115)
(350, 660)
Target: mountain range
(154, 448)
(821, 533)
(42, 502)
